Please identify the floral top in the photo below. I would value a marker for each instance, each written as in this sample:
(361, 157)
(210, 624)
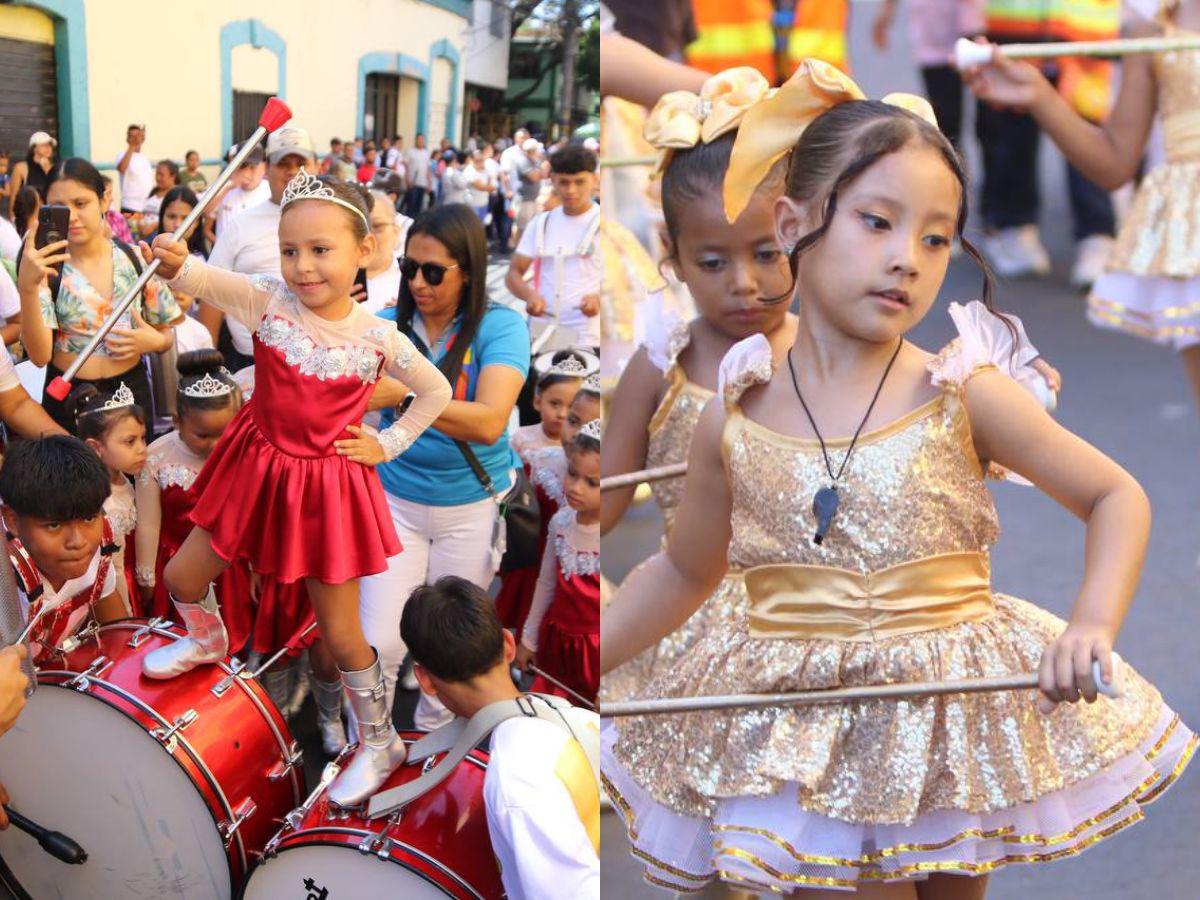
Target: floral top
(80, 309)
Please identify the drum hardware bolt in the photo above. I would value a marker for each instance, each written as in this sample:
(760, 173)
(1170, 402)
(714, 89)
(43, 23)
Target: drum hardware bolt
(139, 636)
(236, 666)
(339, 813)
(73, 643)
(281, 769)
(428, 764)
(82, 681)
(167, 736)
(241, 814)
(296, 816)
(378, 844)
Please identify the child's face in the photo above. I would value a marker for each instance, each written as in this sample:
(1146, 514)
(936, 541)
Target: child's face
(123, 449)
(584, 408)
(61, 550)
(731, 269)
(896, 222)
(576, 190)
(552, 404)
(200, 429)
(193, 161)
(319, 253)
(581, 486)
(253, 175)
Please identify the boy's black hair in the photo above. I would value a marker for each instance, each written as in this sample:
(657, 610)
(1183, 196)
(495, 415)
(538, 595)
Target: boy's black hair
(573, 159)
(451, 629)
(56, 478)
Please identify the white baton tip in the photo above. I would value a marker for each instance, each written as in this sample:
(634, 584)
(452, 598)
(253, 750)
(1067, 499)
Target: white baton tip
(967, 53)
(1112, 688)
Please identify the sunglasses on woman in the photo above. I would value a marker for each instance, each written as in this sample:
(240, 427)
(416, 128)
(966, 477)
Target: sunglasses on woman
(432, 272)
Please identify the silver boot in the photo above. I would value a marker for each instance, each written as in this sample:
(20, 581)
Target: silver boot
(206, 641)
(380, 748)
(329, 715)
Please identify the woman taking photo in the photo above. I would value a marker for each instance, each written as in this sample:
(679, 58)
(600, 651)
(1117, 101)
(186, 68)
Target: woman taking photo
(58, 320)
(37, 169)
(443, 515)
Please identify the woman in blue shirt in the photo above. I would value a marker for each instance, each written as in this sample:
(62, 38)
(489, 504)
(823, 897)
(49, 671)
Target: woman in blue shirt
(443, 515)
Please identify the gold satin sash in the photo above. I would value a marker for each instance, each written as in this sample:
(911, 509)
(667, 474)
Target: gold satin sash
(827, 603)
(1181, 136)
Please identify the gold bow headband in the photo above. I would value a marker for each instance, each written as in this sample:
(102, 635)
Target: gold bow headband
(681, 120)
(771, 127)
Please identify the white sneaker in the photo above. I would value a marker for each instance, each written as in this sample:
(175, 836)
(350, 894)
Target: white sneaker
(1091, 255)
(1017, 252)
(1031, 243)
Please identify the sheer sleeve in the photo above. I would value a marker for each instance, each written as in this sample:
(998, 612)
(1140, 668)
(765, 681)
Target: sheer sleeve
(543, 593)
(424, 379)
(148, 500)
(245, 297)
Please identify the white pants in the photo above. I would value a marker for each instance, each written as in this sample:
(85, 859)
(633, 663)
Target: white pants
(437, 541)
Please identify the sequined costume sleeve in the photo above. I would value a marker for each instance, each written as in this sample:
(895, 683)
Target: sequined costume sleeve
(543, 594)
(245, 297)
(424, 379)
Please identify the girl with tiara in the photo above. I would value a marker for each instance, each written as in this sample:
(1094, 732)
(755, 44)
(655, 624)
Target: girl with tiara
(846, 483)
(548, 466)
(560, 374)
(728, 269)
(562, 633)
(291, 489)
(1151, 285)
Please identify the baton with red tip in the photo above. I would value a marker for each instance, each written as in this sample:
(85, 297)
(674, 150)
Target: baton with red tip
(274, 115)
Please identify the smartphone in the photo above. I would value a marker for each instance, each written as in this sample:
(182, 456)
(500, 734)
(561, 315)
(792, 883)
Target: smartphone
(53, 222)
(361, 280)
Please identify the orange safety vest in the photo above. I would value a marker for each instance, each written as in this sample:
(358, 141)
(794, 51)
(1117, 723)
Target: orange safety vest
(817, 31)
(733, 33)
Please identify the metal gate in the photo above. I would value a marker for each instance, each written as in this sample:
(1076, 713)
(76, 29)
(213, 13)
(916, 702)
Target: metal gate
(380, 101)
(247, 107)
(29, 100)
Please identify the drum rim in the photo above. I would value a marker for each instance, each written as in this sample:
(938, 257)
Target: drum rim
(181, 741)
(358, 832)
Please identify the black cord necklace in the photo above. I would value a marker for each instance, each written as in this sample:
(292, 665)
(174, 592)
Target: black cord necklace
(825, 502)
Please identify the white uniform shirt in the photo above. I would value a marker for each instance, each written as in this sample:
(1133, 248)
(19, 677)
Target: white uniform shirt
(540, 841)
(248, 244)
(10, 241)
(52, 598)
(237, 201)
(581, 275)
(137, 181)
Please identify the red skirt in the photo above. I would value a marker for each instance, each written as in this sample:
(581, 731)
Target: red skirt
(514, 597)
(283, 611)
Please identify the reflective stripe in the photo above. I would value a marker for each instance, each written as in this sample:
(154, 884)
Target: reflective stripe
(823, 44)
(733, 40)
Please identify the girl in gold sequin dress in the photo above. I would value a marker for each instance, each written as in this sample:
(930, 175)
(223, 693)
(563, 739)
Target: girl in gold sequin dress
(898, 799)
(728, 268)
(1152, 284)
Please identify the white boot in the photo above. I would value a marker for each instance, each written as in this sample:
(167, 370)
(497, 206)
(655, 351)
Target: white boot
(277, 686)
(206, 641)
(380, 748)
(329, 715)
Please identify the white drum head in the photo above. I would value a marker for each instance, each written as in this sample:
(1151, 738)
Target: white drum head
(341, 870)
(73, 764)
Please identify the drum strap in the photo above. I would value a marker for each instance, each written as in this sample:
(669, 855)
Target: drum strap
(461, 736)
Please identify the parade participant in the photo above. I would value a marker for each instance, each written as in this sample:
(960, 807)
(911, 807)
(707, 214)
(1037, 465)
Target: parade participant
(206, 401)
(383, 269)
(136, 170)
(291, 488)
(114, 426)
(561, 374)
(60, 545)
(562, 633)
(1151, 284)
(865, 560)
(59, 316)
(540, 791)
(548, 466)
(560, 246)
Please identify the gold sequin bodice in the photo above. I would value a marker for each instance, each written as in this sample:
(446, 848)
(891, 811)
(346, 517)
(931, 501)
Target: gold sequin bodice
(1177, 79)
(672, 426)
(913, 489)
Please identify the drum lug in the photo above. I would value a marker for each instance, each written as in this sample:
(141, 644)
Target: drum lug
(282, 768)
(82, 682)
(380, 844)
(241, 814)
(235, 667)
(139, 637)
(77, 640)
(166, 736)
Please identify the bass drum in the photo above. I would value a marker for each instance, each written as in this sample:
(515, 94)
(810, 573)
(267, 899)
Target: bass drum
(435, 847)
(171, 787)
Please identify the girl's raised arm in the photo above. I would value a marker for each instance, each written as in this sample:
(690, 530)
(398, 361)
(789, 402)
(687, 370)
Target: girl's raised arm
(626, 435)
(660, 595)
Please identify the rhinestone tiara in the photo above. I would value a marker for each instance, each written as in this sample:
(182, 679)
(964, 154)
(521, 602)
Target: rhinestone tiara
(208, 387)
(591, 384)
(308, 187)
(121, 398)
(591, 429)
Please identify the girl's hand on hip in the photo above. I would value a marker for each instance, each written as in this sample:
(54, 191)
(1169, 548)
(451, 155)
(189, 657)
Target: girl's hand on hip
(362, 448)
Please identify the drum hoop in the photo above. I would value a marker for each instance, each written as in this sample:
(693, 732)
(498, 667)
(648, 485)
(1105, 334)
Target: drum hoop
(181, 741)
(359, 832)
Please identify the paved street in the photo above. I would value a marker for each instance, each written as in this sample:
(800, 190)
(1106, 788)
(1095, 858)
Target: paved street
(1129, 399)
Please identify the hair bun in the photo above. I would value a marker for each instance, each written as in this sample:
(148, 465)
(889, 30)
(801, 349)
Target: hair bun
(83, 399)
(200, 362)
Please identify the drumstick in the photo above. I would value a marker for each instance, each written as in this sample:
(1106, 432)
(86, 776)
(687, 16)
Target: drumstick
(841, 695)
(967, 53)
(55, 843)
(542, 339)
(290, 645)
(659, 473)
(558, 684)
(274, 115)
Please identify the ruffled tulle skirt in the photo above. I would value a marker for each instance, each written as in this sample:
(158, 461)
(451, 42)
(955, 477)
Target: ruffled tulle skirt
(1154, 307)
(834, 795)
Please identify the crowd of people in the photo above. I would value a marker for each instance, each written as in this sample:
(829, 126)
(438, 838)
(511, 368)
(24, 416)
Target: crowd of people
(343, 434)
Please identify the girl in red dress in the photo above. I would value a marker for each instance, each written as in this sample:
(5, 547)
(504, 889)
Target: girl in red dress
(206, 401)
(291, 488)
(562, 634)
